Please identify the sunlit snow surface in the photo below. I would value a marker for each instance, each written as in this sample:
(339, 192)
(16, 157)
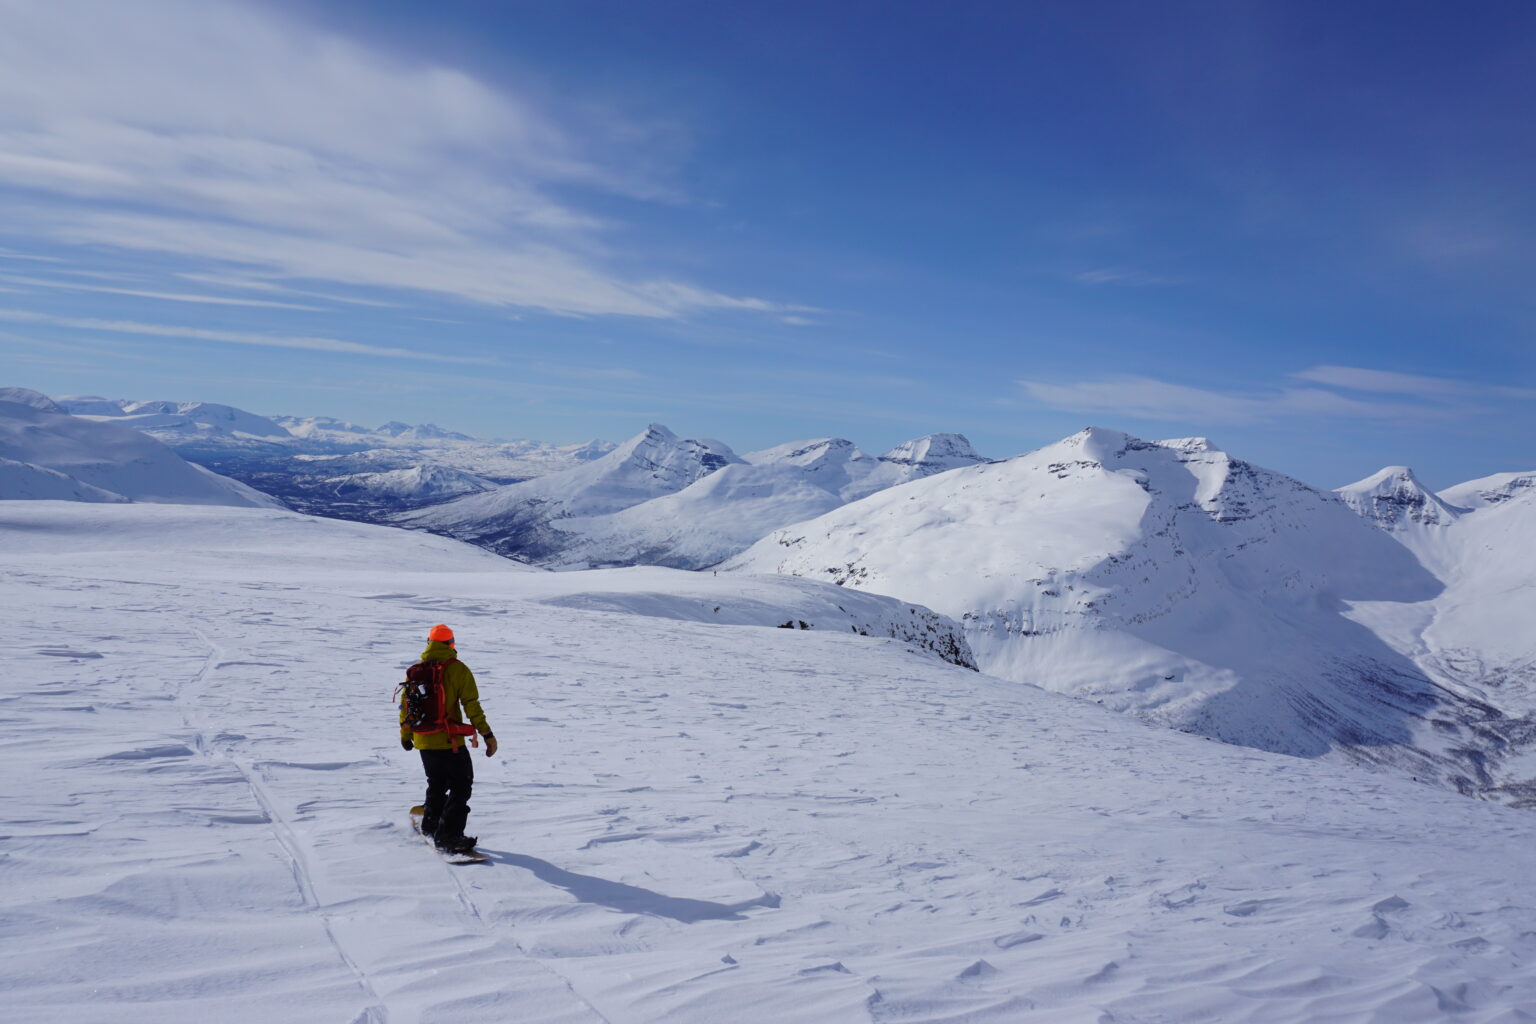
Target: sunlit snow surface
(1175, 582)
(204, 812)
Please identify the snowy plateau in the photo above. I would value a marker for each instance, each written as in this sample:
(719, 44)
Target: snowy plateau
(779, 791)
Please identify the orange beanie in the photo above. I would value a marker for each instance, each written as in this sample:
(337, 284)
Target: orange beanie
(441, 632)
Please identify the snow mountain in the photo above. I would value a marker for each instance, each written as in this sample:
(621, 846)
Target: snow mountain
(46, 453)
(1172, 581)
(519, 519)
(421, 432)
(722, 514)
(1489, 490)
(662, 500)
(206, 419)
(1394, 499)
(317, 426)
(914, 460)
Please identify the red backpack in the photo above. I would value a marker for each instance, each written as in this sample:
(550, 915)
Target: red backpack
(425, 703)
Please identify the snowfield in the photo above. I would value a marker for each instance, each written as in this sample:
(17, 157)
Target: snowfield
(694, 817)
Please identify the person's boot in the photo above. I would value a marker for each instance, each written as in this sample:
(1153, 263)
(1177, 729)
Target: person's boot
(456, 844)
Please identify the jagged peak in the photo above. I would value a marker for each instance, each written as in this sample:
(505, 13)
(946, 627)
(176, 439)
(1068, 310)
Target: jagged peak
(1386, 478)
(653, 433)
(1393, 497)
(655, 439)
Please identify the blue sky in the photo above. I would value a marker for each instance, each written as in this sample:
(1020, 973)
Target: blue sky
(1302, 229)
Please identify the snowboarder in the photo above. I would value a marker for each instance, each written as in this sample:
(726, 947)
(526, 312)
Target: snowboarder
(450, 773)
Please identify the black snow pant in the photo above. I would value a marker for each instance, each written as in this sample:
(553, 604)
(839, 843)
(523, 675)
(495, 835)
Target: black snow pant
(450, 777)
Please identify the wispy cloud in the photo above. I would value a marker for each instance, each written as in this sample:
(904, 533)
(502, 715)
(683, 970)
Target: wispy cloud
(1354, 378)
(7, 254)
(1389, 382)
(234, 135)
(314, 344)
(212, 300)
(1123, 276)
(271, 288)
(1147, 398)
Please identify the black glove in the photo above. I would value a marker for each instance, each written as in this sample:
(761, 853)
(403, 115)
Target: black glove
(406, 744)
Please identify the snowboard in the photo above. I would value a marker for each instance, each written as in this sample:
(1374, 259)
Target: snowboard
(468, 857)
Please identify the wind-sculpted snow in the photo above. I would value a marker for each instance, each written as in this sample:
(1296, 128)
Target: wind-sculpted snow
(1172, 581)
(99, 461)
(688, 822)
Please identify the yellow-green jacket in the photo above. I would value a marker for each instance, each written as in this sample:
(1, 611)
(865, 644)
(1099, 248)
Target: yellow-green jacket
(458, 690)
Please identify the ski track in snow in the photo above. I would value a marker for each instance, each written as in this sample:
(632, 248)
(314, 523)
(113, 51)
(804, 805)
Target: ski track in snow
(205, 819)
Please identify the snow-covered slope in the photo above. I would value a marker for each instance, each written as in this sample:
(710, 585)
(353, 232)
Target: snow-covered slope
(1474, 639)
(687, 823)
(106, 459)
(1481, 636)
(1394, 499)
(1166, 579)
(1489, 490)
(25, 482)
(518, 518)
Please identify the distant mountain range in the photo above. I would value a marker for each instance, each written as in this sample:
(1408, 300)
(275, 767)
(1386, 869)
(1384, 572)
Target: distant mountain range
(1380, 623)
(659, 499)
(327, 466)
(656, 499)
